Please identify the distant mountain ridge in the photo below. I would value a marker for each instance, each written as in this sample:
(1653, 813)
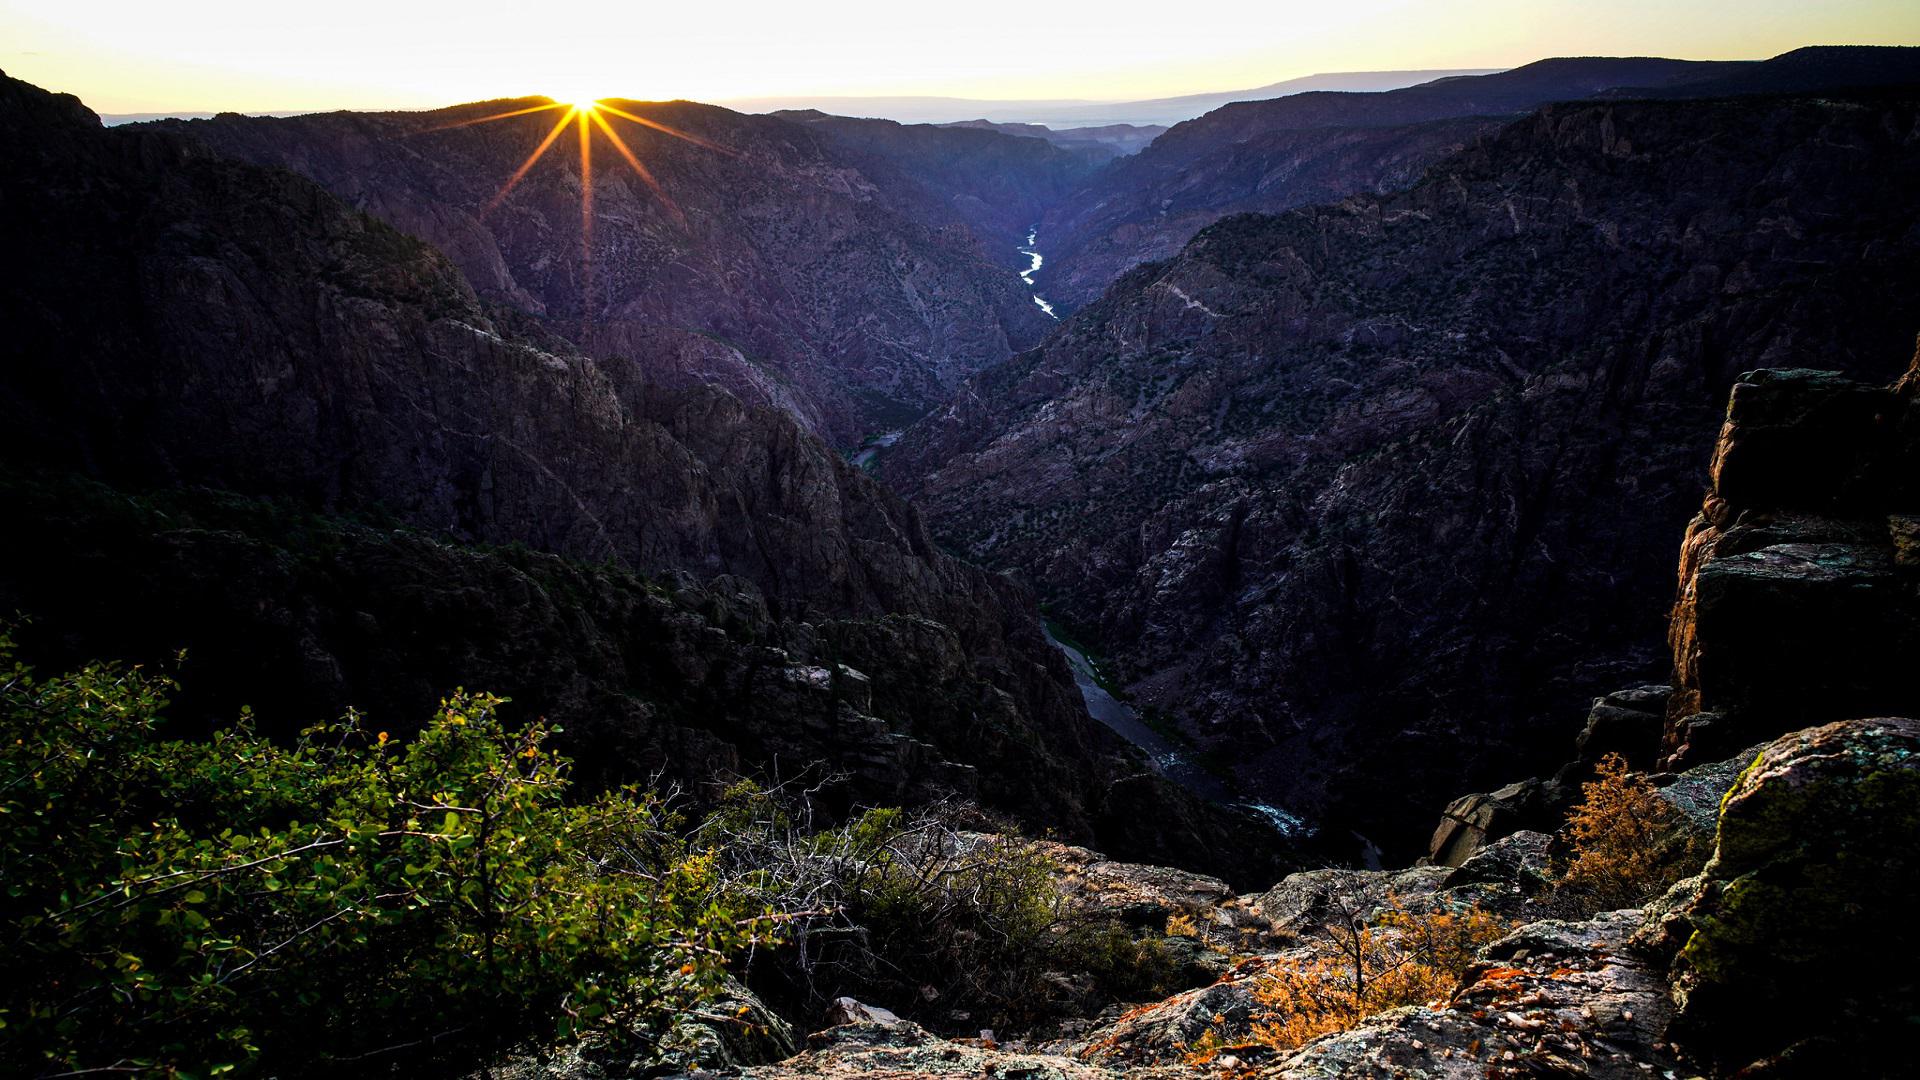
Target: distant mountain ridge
(1108, 141)
(1270, 156)
(1070, 113)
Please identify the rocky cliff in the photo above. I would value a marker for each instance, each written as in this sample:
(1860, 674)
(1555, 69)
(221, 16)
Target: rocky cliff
(1386, 486)
(797, 268)
(1799, 593)
(189, 321)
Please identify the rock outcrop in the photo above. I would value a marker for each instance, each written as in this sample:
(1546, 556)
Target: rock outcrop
(1799, 934)
(1553, 999)
(1799, 597)
(1376, 494)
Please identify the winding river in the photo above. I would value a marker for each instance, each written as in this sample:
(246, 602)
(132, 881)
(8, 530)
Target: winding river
(1031, 249)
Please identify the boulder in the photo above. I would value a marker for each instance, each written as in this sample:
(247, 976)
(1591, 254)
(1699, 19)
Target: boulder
(1798, 439)
(1520, 862)
(1628, 723)
(733, 1030)
(846, 1010)
(1798, 631)
(1471, 822)
(1697, 792)
(1133, 893)
(1799, 935)
(1302, 903)
(1160, 1033)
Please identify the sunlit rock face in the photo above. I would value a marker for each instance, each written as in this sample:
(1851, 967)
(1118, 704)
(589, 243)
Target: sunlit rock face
(1380, 494)
(851, 275)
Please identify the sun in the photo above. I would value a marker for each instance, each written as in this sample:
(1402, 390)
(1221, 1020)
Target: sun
(588, 117)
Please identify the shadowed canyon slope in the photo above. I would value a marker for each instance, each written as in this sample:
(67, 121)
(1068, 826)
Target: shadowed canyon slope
(1378, 485)
(853, 283)
(195, 322)
(1294, 151)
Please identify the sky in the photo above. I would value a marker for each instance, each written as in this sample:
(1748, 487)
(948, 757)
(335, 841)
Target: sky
(124, 56)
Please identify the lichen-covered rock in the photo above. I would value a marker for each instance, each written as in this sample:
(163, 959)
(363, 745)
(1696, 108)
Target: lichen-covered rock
(1697, 793)
(1134, 893)
(1505, 874)
(1802, 932)
(733, 1029)
(1159, 1033)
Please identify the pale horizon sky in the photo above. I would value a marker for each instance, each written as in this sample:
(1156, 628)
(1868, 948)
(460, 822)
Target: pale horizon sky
(248, 56)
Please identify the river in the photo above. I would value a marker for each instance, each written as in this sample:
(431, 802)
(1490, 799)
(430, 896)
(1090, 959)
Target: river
(863, 457)
(1031, 249)
(1167, 758)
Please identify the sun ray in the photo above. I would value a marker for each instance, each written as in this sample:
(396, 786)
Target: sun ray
(640, 170)
(665, 129)
(521, 172)
(580, 114)
(490, 119)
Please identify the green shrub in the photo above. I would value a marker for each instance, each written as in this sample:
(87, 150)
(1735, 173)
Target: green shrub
(344, 904)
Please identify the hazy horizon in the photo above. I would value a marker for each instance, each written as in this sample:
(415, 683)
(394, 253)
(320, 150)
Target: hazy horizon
(219, 55)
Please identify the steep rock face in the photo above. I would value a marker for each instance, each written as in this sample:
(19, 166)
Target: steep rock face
(1376, 485)
(194, 321)
(1298, 150)
(1799, 597)
(824, 277)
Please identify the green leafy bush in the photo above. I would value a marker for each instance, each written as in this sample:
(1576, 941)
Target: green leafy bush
(347, 903)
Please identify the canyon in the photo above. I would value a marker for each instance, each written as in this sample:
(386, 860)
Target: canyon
(1213, 540)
